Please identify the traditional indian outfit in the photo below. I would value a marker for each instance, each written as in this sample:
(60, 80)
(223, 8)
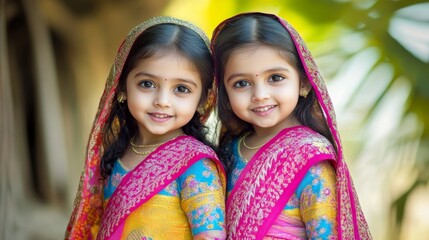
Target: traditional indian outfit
(297, 186)
(177, 192)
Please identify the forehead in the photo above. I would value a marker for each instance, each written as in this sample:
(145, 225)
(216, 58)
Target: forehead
(255, 58)
(171, 55)
(166, 66)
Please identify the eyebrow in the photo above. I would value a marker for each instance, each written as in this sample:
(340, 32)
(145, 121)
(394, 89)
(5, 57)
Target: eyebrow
(185, 80)
(234, 75)
(274, 69)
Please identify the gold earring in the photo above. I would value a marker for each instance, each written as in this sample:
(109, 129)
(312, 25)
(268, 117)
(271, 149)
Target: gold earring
(200, 110)
(121, 97)
(304, 93)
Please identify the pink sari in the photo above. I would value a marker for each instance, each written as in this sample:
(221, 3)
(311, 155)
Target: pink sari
(270, 178)
(159, 169)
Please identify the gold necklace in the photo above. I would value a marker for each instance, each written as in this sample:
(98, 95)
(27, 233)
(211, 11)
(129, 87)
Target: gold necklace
(243, 139)
(134, 146)
(141, 153)
(240, 140)
(144, 146)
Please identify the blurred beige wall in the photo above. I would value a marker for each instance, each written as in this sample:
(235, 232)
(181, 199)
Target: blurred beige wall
(55, 57)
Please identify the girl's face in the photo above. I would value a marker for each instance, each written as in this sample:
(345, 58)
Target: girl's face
(163, 93)
(263, 87)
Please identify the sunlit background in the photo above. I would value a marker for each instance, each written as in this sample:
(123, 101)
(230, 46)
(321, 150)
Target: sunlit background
(55, 56)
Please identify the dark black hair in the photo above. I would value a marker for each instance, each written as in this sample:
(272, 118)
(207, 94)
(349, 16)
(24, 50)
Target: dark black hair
(157, 40)
(252, 30)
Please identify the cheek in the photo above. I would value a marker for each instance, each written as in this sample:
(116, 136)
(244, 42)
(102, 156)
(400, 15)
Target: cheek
(232, 97)
(286, 92)
(238, 102)
(194, 105)
(134, 106)
(188, 105)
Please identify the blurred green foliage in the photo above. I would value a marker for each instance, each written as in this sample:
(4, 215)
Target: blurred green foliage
(359, 26)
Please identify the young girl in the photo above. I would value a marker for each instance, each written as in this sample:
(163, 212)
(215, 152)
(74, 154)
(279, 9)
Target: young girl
(279, 139)
(148, 173)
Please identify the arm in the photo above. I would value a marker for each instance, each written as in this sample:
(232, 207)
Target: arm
(318, 201)
(203, 200)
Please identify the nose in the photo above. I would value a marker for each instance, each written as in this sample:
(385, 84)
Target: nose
(162, 98)
(260, 93)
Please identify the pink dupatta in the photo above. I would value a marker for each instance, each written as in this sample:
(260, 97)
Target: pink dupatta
(88, 205)
(159, 169)
(270, 178)
(266, 184)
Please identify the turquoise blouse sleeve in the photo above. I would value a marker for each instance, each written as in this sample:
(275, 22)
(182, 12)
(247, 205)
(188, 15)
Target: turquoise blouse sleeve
(318, 201)
(202, 197)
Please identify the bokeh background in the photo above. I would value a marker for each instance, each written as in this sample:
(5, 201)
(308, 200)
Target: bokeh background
(56, 54)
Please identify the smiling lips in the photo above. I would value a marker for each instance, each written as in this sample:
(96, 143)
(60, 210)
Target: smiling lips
(264, 108)
(160, 117)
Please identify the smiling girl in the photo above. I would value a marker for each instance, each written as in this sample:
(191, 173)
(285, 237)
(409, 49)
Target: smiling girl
(287, 178)
(149, 172)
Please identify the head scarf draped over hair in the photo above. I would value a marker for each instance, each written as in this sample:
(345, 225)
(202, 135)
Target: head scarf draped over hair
(87, 208)
(351, 221)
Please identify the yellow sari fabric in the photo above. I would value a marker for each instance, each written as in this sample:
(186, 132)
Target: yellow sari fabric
(149, 220)
(88, 219)
(190, 207)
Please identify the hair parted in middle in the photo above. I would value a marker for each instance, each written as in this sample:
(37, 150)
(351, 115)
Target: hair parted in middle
(251, 31)
(158, 40)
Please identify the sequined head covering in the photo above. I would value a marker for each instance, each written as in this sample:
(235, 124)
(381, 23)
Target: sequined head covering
(87, 209)
(351, 221)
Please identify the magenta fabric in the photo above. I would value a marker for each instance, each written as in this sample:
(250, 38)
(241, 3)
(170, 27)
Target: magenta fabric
(87, 211)
(270, 178)
(250, 210)
(158, 170)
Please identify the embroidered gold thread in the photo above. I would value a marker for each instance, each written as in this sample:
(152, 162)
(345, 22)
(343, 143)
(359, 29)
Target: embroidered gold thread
(103, 110)
(202, 199)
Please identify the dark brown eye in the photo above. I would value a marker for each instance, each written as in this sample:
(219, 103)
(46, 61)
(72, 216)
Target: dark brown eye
(276, 78)
(183, 89)
(147, 84)
(241, 83)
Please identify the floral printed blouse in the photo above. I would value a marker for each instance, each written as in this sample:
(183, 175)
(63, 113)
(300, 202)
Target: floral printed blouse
(192, 204)
(310, 212)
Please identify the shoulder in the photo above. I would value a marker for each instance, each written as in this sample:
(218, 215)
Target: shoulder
(190, 144)
(202, 165)
(203, 171)
(200, 152)
(307, 135)
(306, 139)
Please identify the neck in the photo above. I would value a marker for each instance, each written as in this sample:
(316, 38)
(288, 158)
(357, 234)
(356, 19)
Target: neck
(146, 138)
(270, 132)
